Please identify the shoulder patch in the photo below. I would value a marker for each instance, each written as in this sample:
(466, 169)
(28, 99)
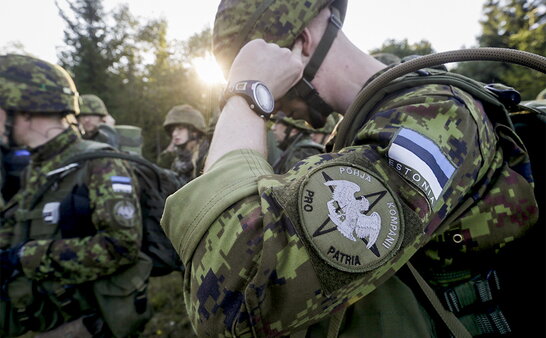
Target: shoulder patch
(350, 217)
(124, 212)
(421, 161)
(121, 184)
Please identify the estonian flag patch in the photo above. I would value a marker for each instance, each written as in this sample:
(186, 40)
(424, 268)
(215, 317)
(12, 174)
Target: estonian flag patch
(421, 161)
(121, 184)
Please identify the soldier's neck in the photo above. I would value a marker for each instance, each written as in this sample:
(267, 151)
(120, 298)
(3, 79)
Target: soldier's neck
(44, 130)
(343, 73)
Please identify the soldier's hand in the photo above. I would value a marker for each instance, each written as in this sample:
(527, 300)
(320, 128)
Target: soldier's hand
(279, 68)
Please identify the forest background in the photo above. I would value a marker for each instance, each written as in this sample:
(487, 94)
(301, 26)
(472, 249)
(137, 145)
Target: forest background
(140, 74)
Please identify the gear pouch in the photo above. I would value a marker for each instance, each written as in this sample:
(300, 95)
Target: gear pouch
(121, 298)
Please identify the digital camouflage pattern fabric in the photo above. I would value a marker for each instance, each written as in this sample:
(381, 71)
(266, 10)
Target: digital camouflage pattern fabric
(235, 18)
(113, 241)
(92, 105)
(36, 86)
(296, 249)
(298, 148)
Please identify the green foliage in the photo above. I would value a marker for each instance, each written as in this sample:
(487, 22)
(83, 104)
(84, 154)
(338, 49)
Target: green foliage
(516, 24)
(170, 318)
(14, 47)
(132, 66)
(403, 48)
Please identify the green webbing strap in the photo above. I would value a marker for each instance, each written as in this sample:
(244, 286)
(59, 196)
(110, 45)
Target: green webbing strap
(335, 323)
(490, 322)
(334, 25)
(303, 88)
(454, 325)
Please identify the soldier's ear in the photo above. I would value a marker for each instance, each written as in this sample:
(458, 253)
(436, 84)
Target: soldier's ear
(308, 44)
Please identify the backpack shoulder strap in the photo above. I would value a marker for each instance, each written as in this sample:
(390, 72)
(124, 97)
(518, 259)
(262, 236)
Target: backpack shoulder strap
(112, 154)
(454, 325)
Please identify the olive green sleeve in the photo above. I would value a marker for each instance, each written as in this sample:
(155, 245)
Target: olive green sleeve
(191, 210)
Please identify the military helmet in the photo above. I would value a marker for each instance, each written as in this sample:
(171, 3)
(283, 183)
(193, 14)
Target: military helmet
(31, 85)
(92, 105)
(185, 114)
(240, 21)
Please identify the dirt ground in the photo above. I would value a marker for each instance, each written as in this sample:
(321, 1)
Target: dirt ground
(170, 318)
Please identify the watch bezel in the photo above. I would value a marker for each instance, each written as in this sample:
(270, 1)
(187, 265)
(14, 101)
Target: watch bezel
(255, 86)
(248, 90)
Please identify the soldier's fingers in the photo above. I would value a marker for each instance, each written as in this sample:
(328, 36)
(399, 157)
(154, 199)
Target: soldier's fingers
(296, 50)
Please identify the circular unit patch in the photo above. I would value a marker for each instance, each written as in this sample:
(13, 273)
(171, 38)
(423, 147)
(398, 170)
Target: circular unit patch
(124, 212)
(350, 217)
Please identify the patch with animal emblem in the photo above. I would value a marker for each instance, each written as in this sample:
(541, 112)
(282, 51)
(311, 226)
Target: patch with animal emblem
(124, 212)
(350, 217)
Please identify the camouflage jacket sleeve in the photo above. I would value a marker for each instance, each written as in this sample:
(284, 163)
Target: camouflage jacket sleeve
(270, 255)
(301, 152)
(116, 216)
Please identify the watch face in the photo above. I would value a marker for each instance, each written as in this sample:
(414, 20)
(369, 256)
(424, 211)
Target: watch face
(264, 98)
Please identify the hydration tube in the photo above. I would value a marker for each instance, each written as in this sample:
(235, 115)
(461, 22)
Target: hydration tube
(526, 59)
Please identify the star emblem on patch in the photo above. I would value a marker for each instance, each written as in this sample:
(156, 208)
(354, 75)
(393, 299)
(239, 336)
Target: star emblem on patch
(350, 217)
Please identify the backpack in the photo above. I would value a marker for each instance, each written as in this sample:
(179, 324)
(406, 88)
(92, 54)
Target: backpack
(530, 124)
(156, 184)
(526, 121)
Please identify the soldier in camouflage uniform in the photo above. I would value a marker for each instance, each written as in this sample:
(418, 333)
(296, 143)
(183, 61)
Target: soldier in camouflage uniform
(189, 144)
(96, 121)
(320, 250)
(324, 135)
(66, 252)
(294, 139)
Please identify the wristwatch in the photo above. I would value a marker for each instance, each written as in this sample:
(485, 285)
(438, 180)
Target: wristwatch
(256, 94)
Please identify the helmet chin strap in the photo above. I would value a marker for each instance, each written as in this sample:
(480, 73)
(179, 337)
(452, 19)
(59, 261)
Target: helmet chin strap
(9, 131)
(318, 108)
